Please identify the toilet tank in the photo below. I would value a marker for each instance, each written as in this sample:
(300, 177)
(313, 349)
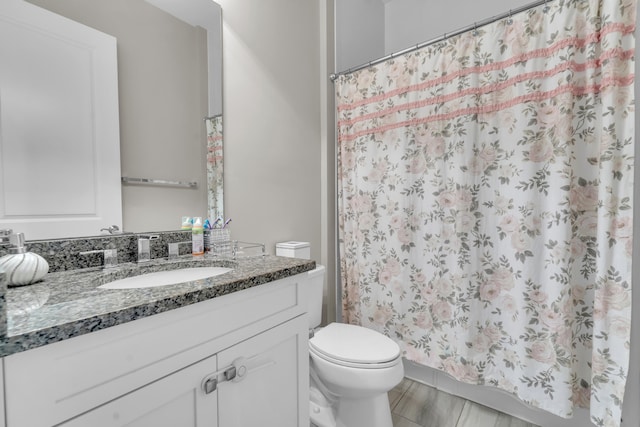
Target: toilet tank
(316, 291)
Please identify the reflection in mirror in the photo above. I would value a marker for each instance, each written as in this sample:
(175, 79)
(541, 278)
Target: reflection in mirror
(215, 166)
(169, 68)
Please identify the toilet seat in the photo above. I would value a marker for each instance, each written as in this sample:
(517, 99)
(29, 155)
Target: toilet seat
(354, 346)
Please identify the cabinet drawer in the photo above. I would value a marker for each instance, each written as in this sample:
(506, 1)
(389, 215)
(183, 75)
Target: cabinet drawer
(70, 377)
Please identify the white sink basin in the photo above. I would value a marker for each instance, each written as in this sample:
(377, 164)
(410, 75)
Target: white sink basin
(164, 278)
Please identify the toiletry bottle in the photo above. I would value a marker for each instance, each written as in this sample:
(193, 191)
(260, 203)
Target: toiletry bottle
(207, 236)
(197, 236)
(186, 223)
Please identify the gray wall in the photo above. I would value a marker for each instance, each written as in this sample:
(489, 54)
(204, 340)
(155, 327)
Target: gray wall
(272, 121)
(407, 23)
(360, 32)
(279, 126)
(370, 29)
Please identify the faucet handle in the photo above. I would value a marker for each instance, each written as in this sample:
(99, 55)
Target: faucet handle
(110, 256)
(114, 229)
(144, 250)
(174, 248)
(148, 236)
(5, 235)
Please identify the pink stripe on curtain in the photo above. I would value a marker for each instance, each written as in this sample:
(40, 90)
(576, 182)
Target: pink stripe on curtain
(485, 204)
(568, 65)
(499, 65)
(485, 108)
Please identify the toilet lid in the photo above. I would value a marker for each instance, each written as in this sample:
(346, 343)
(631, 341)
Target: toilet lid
(354, 344)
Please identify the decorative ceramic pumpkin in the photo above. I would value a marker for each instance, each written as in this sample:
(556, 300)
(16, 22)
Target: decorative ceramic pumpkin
(23, 269)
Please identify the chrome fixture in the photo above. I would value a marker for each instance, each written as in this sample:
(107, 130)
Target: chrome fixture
(110, 256)
(5, 236)
(174, 248)
(144, 247)
(114, 229)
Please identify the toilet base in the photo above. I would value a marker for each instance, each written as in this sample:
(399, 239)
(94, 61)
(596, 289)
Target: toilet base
(321, 416)
(320, 408)
(371, 412)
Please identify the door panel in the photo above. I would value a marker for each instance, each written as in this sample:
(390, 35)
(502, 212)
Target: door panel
(268, 394)
(177, 400)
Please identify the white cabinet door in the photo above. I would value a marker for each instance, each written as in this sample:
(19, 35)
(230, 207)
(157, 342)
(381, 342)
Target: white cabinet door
(178, 400)
(274, 388)
(270, 388)
(59, 125)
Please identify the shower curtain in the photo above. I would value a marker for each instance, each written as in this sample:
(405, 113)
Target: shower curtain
(485, 204)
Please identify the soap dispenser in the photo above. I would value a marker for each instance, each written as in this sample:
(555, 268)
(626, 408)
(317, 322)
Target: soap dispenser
(22, 267)
(197, 237)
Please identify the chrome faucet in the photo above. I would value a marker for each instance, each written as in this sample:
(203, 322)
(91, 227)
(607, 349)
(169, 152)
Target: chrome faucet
(174, 248)
(144, 246)
(110, 256)
(114, 229)
(5, 236)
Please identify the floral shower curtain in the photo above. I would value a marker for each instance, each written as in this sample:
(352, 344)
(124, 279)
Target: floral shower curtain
(485, 204)
(214, 166)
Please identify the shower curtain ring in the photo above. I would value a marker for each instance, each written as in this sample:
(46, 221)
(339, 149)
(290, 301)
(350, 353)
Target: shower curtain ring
(510, 20)
(546, 7)
(475, 29)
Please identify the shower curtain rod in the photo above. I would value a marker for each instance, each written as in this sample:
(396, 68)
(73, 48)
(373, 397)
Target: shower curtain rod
(443, 37)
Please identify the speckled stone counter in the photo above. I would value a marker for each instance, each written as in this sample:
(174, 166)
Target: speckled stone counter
(68, 303)
(3, 304)
(67, 254)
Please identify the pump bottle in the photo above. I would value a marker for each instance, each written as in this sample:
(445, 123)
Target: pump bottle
(197, 237)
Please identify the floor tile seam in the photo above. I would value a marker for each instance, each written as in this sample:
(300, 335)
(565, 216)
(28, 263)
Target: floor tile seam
(457, 424)
(395, 405)
(408, 419)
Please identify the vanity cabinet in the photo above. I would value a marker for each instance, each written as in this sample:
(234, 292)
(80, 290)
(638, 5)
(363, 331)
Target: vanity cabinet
(232, 361)
(257, 386)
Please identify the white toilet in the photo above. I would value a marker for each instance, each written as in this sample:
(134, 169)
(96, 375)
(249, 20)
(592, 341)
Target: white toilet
(351, 369)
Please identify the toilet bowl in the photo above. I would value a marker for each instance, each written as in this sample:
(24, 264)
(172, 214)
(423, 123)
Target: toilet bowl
(351, 370)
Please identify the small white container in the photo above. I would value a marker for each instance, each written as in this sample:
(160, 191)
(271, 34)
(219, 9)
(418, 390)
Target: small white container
(294, 249)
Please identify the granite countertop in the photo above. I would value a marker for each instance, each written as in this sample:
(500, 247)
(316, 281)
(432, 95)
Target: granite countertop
(68, 303)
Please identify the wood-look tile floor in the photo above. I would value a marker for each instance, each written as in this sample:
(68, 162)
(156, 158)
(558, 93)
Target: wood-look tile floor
(417, 405)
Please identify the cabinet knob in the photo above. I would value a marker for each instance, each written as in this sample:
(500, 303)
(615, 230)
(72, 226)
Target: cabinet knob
(209, 385)
(236, 372)
(230, 373)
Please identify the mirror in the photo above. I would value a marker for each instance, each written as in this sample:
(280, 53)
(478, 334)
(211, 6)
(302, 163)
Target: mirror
(170, 105)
